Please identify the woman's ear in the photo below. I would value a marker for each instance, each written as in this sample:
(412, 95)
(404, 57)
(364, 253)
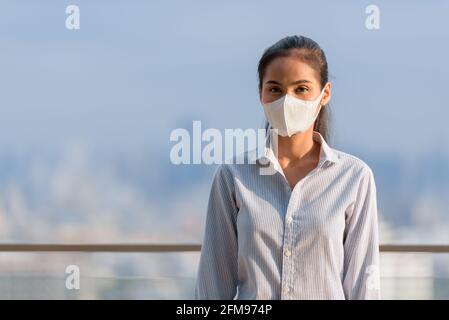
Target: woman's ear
(327, 94)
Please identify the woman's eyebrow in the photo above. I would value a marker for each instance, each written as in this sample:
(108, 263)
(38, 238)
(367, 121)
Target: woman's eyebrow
(295, 82)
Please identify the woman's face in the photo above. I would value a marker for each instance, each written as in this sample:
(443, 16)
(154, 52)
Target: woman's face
(291, 75)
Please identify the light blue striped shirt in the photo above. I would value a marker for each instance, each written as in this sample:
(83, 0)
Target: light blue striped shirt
(263, 240)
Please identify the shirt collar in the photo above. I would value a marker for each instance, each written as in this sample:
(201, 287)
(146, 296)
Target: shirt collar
(327, 154)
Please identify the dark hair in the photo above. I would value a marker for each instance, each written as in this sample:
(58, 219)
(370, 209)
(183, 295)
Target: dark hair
(310, 52)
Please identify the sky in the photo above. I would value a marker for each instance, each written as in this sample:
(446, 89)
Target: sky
(138, 69)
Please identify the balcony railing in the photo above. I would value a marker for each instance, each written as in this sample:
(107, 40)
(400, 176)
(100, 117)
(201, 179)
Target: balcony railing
(141, 247)
(125, 271)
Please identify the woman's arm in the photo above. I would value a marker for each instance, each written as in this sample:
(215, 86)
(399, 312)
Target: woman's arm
(217, 272)
(361, 276)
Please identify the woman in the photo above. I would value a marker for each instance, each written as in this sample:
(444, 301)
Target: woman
(307, 231)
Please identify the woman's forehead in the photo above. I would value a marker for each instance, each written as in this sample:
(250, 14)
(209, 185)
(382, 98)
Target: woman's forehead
(288, 69)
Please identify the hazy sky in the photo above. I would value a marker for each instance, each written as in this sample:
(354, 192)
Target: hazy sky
(138, 69)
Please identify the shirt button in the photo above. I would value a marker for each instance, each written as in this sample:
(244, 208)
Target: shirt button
(287, 253)
(289, 219)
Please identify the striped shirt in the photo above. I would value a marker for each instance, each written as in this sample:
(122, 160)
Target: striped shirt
(263, 240)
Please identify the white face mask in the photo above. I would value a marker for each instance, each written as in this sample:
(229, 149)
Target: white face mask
(290, 115)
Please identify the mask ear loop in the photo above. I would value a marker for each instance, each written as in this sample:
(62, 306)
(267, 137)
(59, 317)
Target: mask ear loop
(319, 100)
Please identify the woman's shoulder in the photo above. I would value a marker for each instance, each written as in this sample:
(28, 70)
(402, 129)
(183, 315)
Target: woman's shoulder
(353, 162)
(239, 164)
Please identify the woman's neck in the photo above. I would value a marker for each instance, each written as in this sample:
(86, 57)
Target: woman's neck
(296, 148)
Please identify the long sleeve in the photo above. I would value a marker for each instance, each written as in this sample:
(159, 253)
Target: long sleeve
(361, 275)
(217, 272)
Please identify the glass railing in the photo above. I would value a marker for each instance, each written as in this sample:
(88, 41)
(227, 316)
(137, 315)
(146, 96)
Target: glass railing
(167, 271)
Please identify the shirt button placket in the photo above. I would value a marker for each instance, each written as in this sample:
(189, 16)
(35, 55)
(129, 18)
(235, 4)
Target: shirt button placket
(288, 271)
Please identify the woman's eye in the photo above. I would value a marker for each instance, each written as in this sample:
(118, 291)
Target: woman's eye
(274, 90)
(302, 89)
